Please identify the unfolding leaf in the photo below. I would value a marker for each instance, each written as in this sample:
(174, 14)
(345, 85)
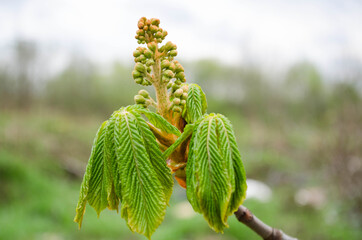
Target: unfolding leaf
(143, 196)
(187, 132)
(196, 104)
(93, 188)
(215, 174)
(239, 173)
(126, 164)
(163, 173)
(114, 187)
(159, 122)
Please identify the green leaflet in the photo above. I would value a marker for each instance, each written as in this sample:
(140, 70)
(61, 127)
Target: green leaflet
(127, 165)
(143, 197)
(162, 171)
(196, 104)
(215, 174)
(113, 188)
(191, 176)
(93, 188)
(159, 122)
(187, 132)
(239, 172)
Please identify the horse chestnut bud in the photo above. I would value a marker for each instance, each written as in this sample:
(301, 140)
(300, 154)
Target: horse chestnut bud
(173, 53)
(136, 74)
(139, 99)
(176, 101)
(179, 92)
(168, 73)
(152, 46)
(144, 93)
(177, 109)
(165, 64)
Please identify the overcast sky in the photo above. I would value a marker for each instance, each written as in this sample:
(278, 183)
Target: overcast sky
(233, 31)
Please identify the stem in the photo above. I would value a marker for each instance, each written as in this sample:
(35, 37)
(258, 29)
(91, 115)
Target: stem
(161, 89)
(161, 137)
(245, 216)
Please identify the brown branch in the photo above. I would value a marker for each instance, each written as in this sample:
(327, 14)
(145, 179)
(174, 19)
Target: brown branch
(245, 216)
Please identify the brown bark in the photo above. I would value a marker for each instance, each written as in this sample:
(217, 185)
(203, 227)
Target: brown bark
(245, 216)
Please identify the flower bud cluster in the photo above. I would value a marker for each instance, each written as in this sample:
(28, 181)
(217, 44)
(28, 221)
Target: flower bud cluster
(169, 49)
(179, 98)
(144, 61)
(172, 69)
(143, 98)
(149, 31)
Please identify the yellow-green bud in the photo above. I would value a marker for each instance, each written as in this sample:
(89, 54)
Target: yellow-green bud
(150, 62)
(155, 21)
(153, 28)
(177, 109)
(144, 93)
(178, 82)
(148, 54)
(139, 99)
(180, 75)
(152, 46)
(176, 101)
(165, 79)
(136, 74)
(136, 53)
(165, 64)
(173, 53)
(175, 87)
(179, 68)
(141, 24)
(140, 67)
(184, 96)
(168, 73)
(138, 80)
(183, 102)
(178, 92)
(158, 35)
(140, 32)
(169, 85)
(172, 67)
(164, 34)
(145, 82)
(142, 58)
(169, 46)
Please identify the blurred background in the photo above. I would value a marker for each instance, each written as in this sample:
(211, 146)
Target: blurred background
(288, 74)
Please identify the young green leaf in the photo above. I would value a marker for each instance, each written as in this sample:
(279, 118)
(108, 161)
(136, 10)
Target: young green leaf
(191, 176)
(196, 104)
(239, 173)
(214, 170)
(159, 122)
(159, 164)
(143, 196)
(93, 188)
(113, 188)
(187, 132)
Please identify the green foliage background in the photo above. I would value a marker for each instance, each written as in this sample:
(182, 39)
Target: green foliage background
(296, 130)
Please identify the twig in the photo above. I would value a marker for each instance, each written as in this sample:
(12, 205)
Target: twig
(245, 216)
